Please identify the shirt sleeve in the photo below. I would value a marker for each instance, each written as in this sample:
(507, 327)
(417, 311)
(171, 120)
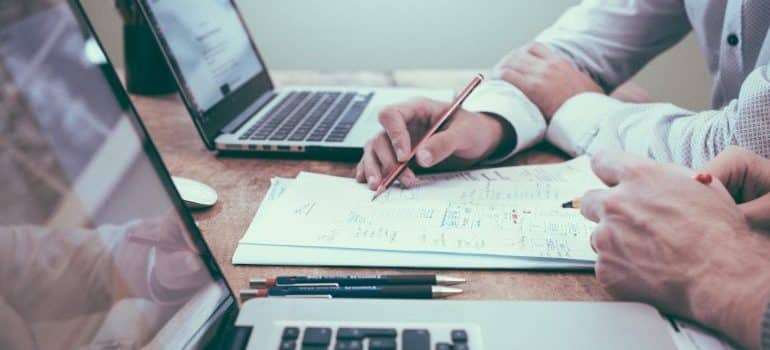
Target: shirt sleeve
(508, 102)
(590, 122)
(611, 40)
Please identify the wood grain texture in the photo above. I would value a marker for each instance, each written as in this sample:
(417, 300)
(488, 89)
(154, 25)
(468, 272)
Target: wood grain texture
(242, 182)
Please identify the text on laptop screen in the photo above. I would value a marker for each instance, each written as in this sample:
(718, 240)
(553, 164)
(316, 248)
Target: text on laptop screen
(94, 253)
(209, 45)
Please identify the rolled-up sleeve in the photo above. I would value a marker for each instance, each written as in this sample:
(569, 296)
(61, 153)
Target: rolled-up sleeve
(502, 99)
(612, 40)
(590, 122)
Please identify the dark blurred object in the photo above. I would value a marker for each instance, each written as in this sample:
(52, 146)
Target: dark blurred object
(146, 69)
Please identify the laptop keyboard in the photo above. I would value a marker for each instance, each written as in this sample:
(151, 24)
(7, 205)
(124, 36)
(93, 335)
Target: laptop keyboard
(310, 116)
(348, 338)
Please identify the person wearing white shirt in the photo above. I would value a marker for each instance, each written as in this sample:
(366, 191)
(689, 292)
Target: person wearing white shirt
(554, 89)
(662, 238)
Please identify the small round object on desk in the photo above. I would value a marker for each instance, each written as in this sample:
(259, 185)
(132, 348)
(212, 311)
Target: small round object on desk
(196, 195)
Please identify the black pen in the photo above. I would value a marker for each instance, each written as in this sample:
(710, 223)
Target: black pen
(381, 292)
(341, 281)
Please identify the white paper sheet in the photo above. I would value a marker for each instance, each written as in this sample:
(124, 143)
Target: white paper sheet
(476, 212)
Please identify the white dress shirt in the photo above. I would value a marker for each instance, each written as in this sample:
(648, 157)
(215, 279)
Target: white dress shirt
(611, 40)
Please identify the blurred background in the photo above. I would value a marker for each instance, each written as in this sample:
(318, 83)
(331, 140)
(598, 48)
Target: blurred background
(380, 35)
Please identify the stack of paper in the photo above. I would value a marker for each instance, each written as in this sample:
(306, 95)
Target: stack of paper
(494, 218)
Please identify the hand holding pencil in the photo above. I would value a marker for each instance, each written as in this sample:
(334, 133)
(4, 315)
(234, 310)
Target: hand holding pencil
(461, 141)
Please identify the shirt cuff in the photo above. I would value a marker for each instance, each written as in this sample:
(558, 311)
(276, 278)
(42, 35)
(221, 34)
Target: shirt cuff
(576, 124)
(505, 100)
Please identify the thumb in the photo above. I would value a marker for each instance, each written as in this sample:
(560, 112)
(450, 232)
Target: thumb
(438, 148)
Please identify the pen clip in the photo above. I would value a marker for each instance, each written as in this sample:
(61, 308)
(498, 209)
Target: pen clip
(336, 285)
(311, 296)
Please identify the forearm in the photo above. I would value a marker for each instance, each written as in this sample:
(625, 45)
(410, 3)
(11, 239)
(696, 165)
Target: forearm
(733, 295)
(743, 318)
(640, 30)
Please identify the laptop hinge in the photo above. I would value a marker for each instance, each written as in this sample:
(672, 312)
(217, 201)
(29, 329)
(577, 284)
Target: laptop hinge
(253, 109)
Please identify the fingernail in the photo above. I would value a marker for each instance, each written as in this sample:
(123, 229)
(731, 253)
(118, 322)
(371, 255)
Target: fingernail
(425, 158)
(400, 154)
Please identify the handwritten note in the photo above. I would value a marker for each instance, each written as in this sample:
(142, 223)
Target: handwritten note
(506, 211)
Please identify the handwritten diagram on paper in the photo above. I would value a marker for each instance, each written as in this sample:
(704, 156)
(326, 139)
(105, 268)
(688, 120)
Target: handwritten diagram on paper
(480, 212)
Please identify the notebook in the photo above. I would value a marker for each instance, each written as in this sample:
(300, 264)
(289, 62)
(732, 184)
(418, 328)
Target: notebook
(507, 218)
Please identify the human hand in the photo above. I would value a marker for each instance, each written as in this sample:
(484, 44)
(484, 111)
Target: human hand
(665, 239)
(465, 139)
(176, 263)
(545, 77)
(747, 176)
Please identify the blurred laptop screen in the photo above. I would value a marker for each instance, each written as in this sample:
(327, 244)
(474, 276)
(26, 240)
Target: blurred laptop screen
(209, 45)
(94, 253)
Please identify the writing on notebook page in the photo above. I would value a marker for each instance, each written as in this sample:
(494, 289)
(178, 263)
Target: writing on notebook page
(435, 226)
(505, 211)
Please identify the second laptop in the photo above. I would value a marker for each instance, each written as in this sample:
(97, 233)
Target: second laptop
(234, 104)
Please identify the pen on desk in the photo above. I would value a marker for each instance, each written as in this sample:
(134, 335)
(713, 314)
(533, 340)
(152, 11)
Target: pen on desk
(384, 292)
(341, 281)
(449, 112)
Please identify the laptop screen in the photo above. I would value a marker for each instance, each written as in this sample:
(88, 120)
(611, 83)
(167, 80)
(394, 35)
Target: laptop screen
(96, 250)
(210, 47)
(212, 57)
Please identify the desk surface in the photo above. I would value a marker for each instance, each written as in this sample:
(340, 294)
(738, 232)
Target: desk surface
(241, 184)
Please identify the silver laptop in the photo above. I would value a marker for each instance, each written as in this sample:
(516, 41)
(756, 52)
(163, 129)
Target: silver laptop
(231, 98)
(97, 250)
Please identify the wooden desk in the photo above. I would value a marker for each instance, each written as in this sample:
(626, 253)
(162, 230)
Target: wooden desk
(241, 184)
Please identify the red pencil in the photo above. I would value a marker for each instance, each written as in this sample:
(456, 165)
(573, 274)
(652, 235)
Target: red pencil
(452, 109)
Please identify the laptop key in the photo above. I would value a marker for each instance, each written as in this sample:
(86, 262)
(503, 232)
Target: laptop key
(349, 345)
(317, 336)
(415, 339)
(288, 345)
(459, 336)
(460, 346)
(443, 346)
(382, 344)
(290, 333)
(360, 333)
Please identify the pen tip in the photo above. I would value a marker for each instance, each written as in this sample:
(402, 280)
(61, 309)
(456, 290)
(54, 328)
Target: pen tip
(376, 194)
(449, 280)
(567, 205)
(443, 292)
